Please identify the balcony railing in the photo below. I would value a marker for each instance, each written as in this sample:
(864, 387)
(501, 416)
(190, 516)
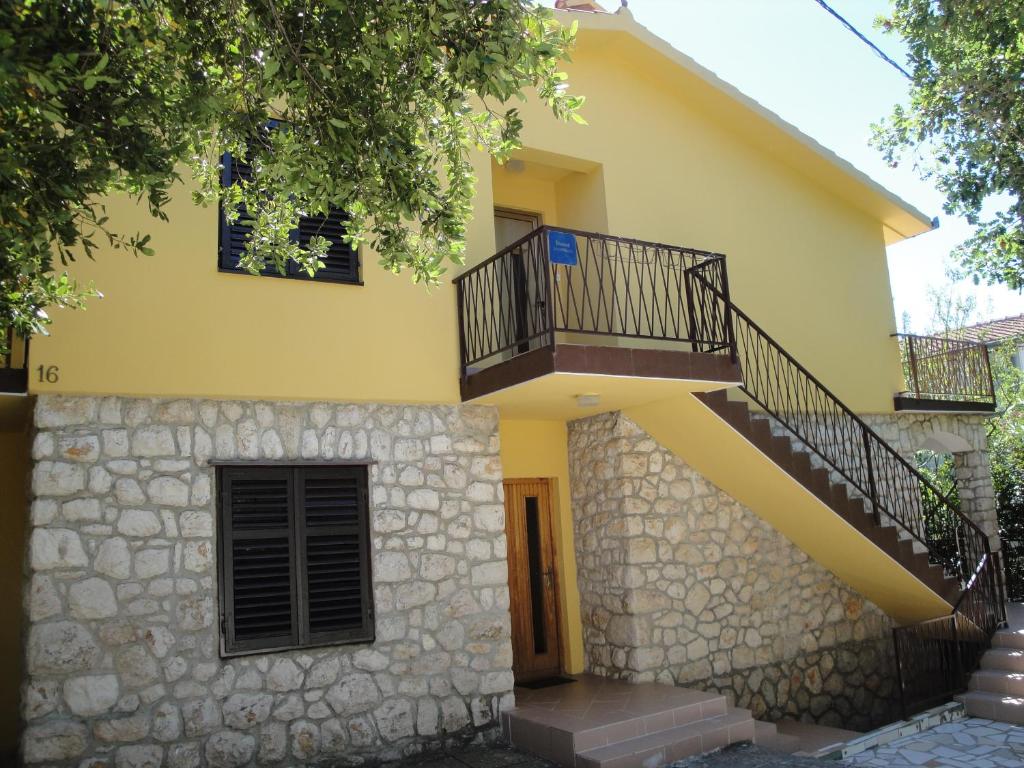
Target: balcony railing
(14, 365)
(946, 370)
(579, 286)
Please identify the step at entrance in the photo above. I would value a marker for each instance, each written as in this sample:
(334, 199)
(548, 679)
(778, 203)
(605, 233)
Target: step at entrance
(996, 691)
(598, 722)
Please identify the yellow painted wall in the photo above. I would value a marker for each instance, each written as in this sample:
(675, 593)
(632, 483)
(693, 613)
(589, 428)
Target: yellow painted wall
(540, 449)
(13, 513)
(663, 158)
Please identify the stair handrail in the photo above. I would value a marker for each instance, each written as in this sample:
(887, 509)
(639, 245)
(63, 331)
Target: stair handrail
(868, 482)
(935, 657)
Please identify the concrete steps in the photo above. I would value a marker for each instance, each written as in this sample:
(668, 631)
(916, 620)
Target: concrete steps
(602, 723)
(996, 691)
(667, 746)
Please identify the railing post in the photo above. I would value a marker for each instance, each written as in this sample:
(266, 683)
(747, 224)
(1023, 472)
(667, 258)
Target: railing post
(549, 284)
(913, 367)
(899, 672)
(691, 312)
(462, 329)
(872, 489)
(988, 373)
(958, 671)
(730, 331)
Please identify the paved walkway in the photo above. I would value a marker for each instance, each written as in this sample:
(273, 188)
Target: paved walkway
(968, 743)
(750, 756)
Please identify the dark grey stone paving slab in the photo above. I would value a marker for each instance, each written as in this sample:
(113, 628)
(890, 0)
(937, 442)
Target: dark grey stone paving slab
(747, 755)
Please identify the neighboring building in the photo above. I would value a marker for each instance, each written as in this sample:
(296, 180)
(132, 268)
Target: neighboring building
(280, 520)
(995, 333)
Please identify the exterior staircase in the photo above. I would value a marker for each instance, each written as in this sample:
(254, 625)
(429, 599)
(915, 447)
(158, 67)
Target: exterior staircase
(996, 691)
(802, 465)
(891, 534)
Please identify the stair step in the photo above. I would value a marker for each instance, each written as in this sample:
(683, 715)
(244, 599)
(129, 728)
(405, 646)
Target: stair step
(1009, 638)
(998, 681)
(1005, 659)
(667, 746)
(994, 706)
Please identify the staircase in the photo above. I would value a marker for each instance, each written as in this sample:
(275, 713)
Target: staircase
(794, 458)
(996, 691)
(891, 534)
(599, 722)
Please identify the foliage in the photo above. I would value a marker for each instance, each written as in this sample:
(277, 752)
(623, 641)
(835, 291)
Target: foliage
(965, 120)
(1006, 453)
(383, 101)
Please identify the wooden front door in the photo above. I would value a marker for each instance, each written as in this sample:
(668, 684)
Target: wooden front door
(532, 579)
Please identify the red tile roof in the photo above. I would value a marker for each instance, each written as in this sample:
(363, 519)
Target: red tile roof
(994, 330)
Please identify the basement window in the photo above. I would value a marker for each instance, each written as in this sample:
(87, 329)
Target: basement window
(294, 563)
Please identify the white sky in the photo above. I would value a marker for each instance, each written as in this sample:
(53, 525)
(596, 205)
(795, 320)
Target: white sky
(801, 63)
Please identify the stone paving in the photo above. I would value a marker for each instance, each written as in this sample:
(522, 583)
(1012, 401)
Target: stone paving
(747, 755)
(968, 743)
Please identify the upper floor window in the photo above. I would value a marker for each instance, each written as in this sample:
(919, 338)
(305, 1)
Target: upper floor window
(294, 562)
(341, 263)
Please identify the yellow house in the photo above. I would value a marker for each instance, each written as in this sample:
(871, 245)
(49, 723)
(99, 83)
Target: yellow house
(648, 433)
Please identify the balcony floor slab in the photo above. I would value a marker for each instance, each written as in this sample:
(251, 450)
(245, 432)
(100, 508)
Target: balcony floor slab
(544, 383)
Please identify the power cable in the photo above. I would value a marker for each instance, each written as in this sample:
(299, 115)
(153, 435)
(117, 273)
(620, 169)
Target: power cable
(878, 51)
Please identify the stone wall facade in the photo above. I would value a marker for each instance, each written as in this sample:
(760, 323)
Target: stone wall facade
(681, 584)
(963, 435)
(123, 664)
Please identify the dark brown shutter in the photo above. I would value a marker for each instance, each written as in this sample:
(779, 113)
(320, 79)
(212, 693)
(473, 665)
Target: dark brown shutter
(258, 578)
(294, 557)
(334, 539)
(341, 263)
(234, 236)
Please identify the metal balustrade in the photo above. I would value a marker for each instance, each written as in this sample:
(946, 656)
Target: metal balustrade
(945, 368)
(521, 298)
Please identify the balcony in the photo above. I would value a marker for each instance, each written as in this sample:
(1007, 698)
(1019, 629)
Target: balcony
(584, 317)
(944, 374)
(14, 366)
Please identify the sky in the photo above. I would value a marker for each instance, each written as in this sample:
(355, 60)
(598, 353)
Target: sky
(801, 63)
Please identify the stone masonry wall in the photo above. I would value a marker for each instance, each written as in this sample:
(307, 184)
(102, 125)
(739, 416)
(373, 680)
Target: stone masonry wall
(122, 649)
(680, 583)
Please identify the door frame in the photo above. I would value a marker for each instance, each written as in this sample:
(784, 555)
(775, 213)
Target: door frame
(520, 298)
(556, 576)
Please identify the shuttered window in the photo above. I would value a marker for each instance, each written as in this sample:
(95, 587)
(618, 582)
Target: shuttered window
(341, 263)
(294, 557)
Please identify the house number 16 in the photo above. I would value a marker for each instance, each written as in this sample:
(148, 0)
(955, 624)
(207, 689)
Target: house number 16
(49, 373)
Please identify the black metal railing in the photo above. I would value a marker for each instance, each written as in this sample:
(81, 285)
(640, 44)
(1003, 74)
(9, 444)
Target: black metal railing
(14, 365)
(892, 488)
(935, 659)
(597, 285)
(943, 368)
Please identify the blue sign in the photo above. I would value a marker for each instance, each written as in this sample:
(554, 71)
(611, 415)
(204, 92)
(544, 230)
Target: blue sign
(562, 248)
